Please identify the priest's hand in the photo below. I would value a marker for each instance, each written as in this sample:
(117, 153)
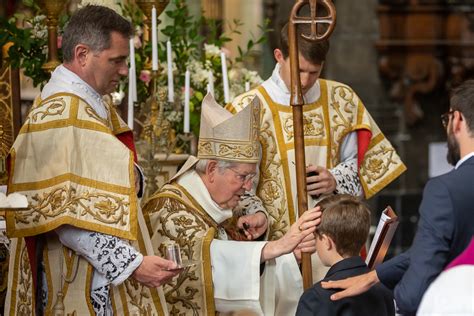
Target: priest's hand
(352, 286)
(308, 245)
(253, 225)
(155, 271)
(319, 181)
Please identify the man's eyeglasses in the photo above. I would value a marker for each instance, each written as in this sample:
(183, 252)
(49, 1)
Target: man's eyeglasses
(243, 178)
(445, 118)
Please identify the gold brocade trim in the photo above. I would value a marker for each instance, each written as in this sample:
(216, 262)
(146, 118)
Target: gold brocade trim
(191, 202)
(69, 177)
(55, 106)
(377, 163)
(274, 108)
(327, 125)
(112, 301)
(93, 114)
(123, 298)
(369, 192)
(343, 106)
(108, 208)
(154, 292)
(12, 231)
(88, 291)
(360, 113)
(229, 107)
(207, 271)
(22, 278)
(100, 125)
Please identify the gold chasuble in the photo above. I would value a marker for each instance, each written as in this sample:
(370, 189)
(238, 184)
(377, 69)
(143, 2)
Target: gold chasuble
(174, 216)
(74, 170)
(336, 113)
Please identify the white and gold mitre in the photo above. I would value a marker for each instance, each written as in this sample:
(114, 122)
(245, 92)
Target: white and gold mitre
(225, 136)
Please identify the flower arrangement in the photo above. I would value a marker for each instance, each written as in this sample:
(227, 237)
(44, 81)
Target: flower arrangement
(29, 36)
(191, 51)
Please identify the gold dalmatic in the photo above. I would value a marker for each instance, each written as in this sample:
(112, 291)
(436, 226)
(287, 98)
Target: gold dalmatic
(337, 112)
(61, 160)
(174, 216)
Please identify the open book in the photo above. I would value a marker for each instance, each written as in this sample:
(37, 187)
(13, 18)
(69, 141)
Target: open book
(383, 236)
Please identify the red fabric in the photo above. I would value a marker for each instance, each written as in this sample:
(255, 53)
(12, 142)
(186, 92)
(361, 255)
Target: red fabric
(363, 141)
(31, 248)
(127, 139)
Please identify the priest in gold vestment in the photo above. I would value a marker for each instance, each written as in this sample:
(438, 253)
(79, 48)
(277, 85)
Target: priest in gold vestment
(343, 144)
(195, 212)
(81, 247)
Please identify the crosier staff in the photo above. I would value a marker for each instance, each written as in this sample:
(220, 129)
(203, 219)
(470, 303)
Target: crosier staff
(296, 100)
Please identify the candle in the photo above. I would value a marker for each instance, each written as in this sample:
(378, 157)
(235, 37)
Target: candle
(186, 101)
(170, 72)
(210, 83)
(154, 40)
(132, 80)
(131, 85)
(247, 86)
(130, 99)
(225, 80)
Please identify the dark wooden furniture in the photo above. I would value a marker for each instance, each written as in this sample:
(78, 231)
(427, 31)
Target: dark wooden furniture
(422, 45)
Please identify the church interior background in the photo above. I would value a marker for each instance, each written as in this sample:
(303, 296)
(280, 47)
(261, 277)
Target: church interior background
(400, 56)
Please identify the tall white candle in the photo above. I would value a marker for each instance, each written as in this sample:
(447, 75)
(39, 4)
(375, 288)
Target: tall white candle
(154, 40)
(131, 85)
(225, 80)
(169, 60)
(247, 86)
(186, 101)
(132, 80)
(130, 99)
(210, 83)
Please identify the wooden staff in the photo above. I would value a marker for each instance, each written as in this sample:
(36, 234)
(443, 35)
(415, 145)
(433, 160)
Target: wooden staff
(296, 100)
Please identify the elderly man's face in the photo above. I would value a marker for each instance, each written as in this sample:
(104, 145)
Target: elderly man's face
(231, 183)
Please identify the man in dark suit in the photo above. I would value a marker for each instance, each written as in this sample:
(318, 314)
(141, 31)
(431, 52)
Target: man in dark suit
(446, 222)
(343, 230)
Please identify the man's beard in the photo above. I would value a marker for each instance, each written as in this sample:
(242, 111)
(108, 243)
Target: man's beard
(454, 153)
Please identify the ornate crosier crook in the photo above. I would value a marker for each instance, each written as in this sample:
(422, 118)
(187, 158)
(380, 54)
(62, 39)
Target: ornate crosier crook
(296, 100)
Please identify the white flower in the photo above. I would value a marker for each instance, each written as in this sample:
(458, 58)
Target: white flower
(212, 51)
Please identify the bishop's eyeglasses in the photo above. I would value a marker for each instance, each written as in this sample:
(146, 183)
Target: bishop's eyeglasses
(243, 178)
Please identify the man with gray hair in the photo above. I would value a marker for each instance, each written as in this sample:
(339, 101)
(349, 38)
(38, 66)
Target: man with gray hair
(80, 246)
(194, 211)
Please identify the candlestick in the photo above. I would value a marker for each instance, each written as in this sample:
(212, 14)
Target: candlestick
(225, 80)
(186, 101)
(247, 86)
(170, 72)
(211, 83)
(154, 40)
(132, 80)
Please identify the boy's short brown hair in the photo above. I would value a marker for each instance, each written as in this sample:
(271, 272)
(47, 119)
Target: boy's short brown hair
(346, 220)
(314, 52)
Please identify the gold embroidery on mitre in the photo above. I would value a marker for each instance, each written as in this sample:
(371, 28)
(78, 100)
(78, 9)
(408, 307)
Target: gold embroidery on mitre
(226, 136)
